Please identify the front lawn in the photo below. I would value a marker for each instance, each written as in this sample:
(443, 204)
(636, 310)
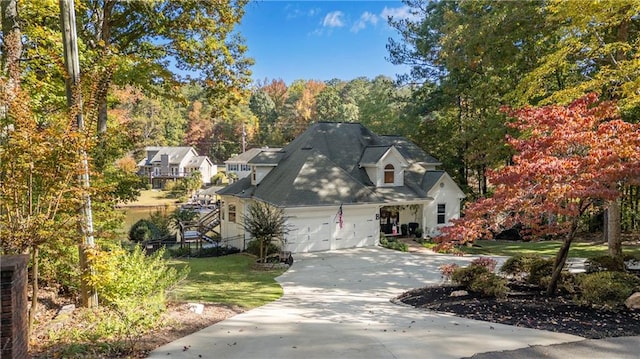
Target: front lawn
(544, 248)
(227, 280)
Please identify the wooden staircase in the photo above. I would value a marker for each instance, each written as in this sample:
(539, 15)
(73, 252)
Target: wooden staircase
(203, 230)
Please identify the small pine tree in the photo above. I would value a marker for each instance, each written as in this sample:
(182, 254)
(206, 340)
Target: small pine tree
(265, 223)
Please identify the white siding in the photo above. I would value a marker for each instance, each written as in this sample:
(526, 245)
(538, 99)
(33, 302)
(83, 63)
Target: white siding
(261, 172)
(230, 229)
(444, 192)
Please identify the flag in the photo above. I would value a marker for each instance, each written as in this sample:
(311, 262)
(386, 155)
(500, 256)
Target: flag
(340, 219)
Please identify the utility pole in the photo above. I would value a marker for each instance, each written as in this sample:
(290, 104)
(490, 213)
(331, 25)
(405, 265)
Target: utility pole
(74, 101)
(244, 138)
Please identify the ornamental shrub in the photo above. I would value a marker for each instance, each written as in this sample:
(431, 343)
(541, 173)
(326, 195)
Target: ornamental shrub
(604, 263)
(608, 289)
(519, 264)
(466, 275)
(131, 289)
(143, 230)
(489, 285)
(447, 270)
(131, 275)
(479, 279)
(540, 268)
(568, 282)
(393, 244)
(486, 262)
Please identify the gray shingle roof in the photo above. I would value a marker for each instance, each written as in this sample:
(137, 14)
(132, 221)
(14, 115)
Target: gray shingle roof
(321, 167)
(176, 154)
(196, 161)
(410, 150)
(372, 154)
(267, 158)
(249, 154)
(430, 179)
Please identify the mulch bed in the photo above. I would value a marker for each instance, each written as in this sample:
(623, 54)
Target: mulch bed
(530, 308)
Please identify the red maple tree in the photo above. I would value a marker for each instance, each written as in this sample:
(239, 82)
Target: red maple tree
(568, 160)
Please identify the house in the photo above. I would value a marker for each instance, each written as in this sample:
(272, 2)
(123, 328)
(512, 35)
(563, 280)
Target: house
(163, 164)
(239, 165)
(340, 186)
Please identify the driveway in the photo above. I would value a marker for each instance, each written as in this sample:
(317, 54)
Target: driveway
(337, 305)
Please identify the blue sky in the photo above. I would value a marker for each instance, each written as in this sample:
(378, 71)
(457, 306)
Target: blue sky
(320, 40)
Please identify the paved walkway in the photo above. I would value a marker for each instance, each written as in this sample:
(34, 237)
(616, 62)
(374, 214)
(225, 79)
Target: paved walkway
(337, 305)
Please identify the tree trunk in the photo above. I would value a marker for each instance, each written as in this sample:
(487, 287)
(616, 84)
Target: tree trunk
(11, 45)
(102, 114)
(103, 36)
(605, 224)
(34, 287)
(613, 229)
(10, 52)
(262, 251)
(561, 259)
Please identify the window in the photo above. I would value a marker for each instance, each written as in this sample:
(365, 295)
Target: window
(232, 213)
(232, 167)
(442, 208)
(389, 172)
(245, 168)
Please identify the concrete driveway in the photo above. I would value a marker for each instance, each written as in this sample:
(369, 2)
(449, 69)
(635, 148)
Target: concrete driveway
(337, 305)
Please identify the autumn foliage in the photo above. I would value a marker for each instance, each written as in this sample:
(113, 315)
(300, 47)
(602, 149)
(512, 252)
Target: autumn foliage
(568, 160)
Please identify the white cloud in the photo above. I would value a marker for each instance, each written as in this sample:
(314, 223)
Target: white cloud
(365, 18)
(399, 13)
(295, 12)
(333, 19)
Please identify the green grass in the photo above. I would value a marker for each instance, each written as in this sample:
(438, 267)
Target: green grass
(154, 198)
(545, 248)
(228, 280)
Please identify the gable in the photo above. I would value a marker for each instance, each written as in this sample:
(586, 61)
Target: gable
(440, 181)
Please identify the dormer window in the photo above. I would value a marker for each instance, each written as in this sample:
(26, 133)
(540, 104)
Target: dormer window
(389, 173)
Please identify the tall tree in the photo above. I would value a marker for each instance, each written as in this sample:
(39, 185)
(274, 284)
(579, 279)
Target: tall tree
(39, 193)
(133, 41)
(593, 48)
(568, 161)
(262, 106)
(328, 104)
(468, 58)
(465, 56)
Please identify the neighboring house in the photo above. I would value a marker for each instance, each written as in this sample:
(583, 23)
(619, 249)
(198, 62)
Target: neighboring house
(163, 164)
(341, 186)
(240, 164)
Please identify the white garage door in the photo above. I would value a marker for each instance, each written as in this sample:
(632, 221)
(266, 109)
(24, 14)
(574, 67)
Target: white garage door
(358, 232)
(309, 235)
(322, 231)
